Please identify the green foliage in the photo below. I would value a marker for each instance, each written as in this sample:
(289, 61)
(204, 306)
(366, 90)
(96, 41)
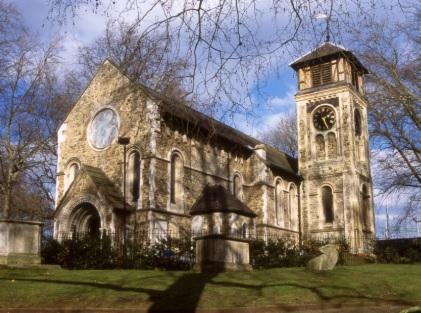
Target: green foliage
(101, 252)
(83, 252)
(277, 253)
(166, 253)
(50, 251)
(286, 253)
(398, 251)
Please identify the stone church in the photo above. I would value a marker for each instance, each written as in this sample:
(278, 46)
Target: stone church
(130, 159)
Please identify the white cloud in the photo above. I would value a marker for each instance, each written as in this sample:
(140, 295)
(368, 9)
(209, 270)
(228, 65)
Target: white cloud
(283, 102)
(270, 120)
(280, 101)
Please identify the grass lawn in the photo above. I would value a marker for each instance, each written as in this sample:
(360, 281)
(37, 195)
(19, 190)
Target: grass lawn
(161, 289)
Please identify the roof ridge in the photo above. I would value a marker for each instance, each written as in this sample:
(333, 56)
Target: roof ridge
(212, 119)
(201, 119)
(318, 47)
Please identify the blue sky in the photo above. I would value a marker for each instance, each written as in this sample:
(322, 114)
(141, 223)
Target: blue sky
(277, 90)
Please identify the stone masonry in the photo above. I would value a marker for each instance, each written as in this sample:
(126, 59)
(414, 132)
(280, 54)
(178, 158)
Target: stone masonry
(175, 151)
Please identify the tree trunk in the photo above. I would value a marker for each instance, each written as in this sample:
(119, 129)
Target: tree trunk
(7, 191)
(6, 202)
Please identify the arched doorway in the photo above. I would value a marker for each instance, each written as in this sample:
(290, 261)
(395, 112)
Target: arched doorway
(85, 220)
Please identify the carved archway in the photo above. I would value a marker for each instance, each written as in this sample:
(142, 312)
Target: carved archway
(85, 219)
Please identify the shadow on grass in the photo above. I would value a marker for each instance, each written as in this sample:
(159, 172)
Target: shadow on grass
(184, 294)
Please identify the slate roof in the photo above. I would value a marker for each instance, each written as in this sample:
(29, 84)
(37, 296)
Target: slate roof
(106, 187)
(103, 185)
(217, 199)
(326, 50)
(274, 157)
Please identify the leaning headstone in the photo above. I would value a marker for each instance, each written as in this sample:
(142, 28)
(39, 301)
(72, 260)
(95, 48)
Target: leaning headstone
(326, 261)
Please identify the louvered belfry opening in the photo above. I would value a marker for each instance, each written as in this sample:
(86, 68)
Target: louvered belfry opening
(321, 74)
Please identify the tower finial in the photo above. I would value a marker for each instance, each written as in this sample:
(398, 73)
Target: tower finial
(327, 29)
(324, 16)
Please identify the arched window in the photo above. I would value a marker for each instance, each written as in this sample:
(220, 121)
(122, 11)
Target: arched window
(287, 210)
(134, 176)
(237, 186)
(176, 177)
(320, 147)
(331, 145)
(357, 122)
(327, 203)
(71, 173)
(278, 201)
(365, 207)
(293, 205)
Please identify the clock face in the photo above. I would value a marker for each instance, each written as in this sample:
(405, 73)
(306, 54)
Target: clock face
(103, 129)
(324, 118)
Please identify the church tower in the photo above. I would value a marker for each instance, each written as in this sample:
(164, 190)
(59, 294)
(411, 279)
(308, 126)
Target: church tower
(336, 193)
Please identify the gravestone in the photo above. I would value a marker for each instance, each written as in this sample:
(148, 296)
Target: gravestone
(20, 242)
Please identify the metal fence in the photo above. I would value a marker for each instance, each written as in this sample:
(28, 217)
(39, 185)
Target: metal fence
(366, 242)
(176, 250)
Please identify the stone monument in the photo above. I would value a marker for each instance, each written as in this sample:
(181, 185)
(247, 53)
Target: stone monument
(20, 242)
(220, 228)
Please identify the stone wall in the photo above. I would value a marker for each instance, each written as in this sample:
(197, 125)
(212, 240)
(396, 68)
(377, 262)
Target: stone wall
(343, 170)
(156, 134)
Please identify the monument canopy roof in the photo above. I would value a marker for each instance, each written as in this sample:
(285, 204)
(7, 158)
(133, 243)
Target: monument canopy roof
(217, 199)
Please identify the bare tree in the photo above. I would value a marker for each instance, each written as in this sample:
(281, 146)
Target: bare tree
(231, 44)
(234, 44)
(143, 58)
(28, 117)
(392, 54)
(283, 135)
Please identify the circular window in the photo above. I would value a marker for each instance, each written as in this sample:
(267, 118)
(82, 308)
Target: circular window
(103, 129)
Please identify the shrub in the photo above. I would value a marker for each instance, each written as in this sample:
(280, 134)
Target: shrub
(50, 250)
(284, 253)
(101, 252)
(84, 252)
(278, 253)
(398, 250)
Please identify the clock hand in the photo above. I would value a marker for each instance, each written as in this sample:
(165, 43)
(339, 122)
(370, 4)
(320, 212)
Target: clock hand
(324, 121)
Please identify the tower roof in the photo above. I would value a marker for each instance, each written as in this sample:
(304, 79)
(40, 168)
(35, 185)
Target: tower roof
(325, 52)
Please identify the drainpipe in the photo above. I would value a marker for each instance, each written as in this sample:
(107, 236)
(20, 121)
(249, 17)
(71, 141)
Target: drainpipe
(124, 141)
